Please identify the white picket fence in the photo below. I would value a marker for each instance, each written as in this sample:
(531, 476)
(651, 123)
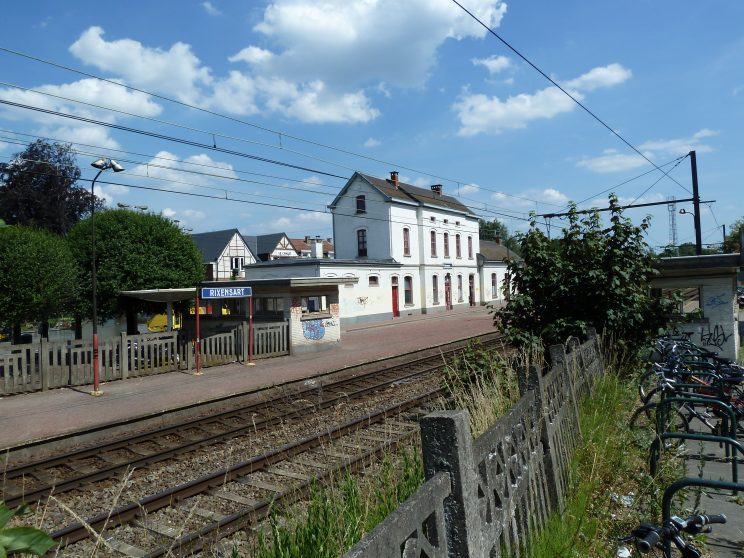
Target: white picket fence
(53, 364)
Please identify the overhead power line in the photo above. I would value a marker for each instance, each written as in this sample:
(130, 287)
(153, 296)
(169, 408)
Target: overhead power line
(574, 99)
(279, 134)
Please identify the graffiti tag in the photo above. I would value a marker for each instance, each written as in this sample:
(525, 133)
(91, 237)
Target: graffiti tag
(718, 300)
(676, 332)
(313, 329)
(362, 300)
(716, 338)
(329, 323)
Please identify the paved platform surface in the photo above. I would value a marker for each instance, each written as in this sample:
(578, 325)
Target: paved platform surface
(726, 541)
(37, 416)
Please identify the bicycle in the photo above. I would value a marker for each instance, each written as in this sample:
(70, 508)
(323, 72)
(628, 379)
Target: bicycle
(647, 537)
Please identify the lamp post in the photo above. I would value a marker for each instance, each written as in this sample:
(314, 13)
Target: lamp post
(101, 165)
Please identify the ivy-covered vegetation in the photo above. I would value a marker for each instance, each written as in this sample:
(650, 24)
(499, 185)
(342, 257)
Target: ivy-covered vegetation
(593, 275)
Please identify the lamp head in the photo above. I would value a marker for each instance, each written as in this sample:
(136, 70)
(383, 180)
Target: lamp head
(100, 164)
(116, 167)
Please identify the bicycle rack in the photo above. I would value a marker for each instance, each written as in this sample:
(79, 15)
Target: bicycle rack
(656, 445)
(730, 424)
(672, 489)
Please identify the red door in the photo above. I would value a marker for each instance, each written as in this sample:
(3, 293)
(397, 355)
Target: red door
(448, 292)
(396, 311)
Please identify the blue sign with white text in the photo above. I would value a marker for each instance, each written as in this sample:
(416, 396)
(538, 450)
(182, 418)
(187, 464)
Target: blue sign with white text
(226, 292)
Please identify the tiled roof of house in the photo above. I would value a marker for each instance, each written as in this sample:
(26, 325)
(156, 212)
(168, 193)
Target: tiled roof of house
(264, 244)
(300, 245)
(407, 192)
(496, 252)
(212, 244)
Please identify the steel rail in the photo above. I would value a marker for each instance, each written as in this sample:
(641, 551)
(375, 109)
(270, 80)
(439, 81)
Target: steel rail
(150, 459)
(132, 511)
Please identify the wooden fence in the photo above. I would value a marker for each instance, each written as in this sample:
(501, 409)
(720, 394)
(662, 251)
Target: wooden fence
(47, 365)
(489, 495)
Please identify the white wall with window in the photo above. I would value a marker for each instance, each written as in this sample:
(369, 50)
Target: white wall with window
(235, 255)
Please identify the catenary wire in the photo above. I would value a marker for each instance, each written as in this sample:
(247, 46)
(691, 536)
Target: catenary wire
(220, 176)
(657, 180)
(574, 99)
(279, 134)
(227, 198)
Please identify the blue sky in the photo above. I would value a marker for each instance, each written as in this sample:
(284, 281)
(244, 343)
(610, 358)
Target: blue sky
(415, 86)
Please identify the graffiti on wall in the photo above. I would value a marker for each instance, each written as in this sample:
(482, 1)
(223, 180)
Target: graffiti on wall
(313, 329)
(717, 300)
(714, 338)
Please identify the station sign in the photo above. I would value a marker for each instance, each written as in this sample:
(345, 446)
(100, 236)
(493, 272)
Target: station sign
(226, 292)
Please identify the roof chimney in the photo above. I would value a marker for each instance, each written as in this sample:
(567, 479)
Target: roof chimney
(394, 179)
(316, 248)
(437, 189)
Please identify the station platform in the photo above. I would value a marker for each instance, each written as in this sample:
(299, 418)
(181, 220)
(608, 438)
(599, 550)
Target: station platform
(35, 417)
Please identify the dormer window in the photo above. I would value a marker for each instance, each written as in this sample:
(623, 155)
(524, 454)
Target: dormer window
(361, 204)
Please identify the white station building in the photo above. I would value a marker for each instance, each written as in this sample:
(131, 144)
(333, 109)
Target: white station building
(412, 251)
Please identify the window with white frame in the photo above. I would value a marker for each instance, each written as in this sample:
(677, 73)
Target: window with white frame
(374, 281)
(237, 262)
(458, 247)
(406, 242)
(470, 247)
(446, 245)
(433, 235)
(493, 285)
(459, 288)
(408, 290)
(435, 289)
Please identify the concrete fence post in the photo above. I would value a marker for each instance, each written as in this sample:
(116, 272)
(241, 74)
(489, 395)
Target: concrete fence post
(448, 447)
(244, 341)
(123, 356)
(43, 368)
(557, 356)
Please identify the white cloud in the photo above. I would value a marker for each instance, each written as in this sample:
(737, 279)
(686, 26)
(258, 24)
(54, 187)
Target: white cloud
(313, 103)
(176, 71)
(315, 217)
(109, 192)
(84, 135)
(313, 180)
(467, 189)
(194, 214)
(252, 55)
(210, 9)
(372, 142)
(479, 113)
(680, 146)
(346, 41)
(605, 76)
(168, 167)
(280, 223)
(494, 64)
(235, 94)
(611, 160)
(168, 212)
(526, 199)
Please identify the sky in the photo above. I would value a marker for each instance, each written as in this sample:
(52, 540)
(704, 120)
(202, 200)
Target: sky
(252, 115)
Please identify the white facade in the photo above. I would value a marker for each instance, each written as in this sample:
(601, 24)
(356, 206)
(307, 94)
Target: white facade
(233, 258)
(436, 242)
(413, 251)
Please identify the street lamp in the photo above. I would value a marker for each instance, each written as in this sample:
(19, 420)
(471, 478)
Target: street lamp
(101, 165)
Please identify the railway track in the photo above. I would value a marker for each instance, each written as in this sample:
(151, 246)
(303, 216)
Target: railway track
(33, 482)
(278, 477)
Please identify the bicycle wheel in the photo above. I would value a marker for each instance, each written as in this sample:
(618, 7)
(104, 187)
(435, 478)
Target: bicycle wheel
(644, 419)
(649, 380)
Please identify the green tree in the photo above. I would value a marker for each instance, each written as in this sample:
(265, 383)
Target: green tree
(731, 244)
(38, 188)
(37, 276)
(134, 251)
(491, 230)
(591, 276)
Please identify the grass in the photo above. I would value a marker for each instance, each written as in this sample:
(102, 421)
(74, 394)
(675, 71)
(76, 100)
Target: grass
(611, 489)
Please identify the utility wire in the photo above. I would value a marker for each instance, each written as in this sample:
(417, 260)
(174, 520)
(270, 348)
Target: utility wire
(279, 134)
(165, 137)
(574, 99)
(658, 180)
(224, 177)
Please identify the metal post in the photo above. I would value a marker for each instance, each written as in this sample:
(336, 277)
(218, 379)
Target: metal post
(96, 377)
(696, 204)
(250, 332)
(198, 333)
